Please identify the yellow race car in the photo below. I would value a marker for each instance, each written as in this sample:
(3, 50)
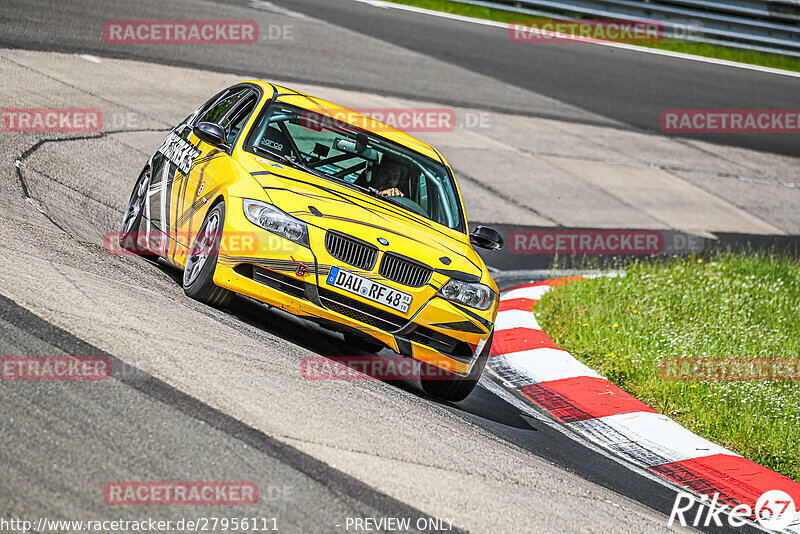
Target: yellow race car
(327, 214)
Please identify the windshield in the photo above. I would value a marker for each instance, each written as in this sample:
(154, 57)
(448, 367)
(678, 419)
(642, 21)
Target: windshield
(339, 151)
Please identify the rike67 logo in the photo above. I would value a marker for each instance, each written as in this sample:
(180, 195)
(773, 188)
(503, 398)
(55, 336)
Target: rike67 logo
(775, 510)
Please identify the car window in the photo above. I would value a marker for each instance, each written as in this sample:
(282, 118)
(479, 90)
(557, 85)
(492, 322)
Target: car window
(218, 112)
(238, 116)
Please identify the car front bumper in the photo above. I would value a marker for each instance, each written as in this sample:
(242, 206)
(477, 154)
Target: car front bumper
(289, 276)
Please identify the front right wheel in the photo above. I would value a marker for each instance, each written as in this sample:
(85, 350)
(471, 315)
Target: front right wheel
(457, 388)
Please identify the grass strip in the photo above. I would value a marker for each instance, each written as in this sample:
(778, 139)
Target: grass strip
(721, 307)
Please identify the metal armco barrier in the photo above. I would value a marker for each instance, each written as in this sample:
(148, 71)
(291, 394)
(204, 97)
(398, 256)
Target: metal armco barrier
(762, 25)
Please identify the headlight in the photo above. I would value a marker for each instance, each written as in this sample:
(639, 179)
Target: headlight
(476, 296)
(276, 221)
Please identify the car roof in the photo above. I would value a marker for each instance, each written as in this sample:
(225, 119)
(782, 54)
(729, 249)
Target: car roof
(337, 112)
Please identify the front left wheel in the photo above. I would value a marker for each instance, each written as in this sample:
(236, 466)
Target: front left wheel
(130, 238)
(198, 274)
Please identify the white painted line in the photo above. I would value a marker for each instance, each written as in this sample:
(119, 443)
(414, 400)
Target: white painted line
(544, 365)
(90, 58)
(535, 293)
(515, 319)
(269, 6)
(654, 432)
(624, 46)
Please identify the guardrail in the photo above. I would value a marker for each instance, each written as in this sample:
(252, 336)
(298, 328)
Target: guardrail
(762, 25)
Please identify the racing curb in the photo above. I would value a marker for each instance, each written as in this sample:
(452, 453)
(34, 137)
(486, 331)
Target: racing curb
(529, 363)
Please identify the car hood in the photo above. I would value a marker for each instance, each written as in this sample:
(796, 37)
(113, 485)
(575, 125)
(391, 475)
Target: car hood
(330, 205)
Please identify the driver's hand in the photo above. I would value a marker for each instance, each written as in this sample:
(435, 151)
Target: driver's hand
(393, 192)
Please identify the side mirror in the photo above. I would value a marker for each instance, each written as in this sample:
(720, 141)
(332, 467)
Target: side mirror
(486, 237)
(211, 133)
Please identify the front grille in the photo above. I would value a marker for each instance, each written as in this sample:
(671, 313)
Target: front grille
(404, 270)
(360, 311)
(351, 251)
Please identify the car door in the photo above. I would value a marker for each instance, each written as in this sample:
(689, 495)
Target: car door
(194, 190)
(169, 166)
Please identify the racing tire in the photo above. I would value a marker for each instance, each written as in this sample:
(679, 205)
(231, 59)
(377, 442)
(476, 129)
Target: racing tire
(198, 274)
(458, 388)
(129, 236)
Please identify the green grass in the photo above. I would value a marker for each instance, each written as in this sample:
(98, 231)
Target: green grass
(727, 306)
(763, 59)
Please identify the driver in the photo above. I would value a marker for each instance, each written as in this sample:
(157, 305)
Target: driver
(387, 178)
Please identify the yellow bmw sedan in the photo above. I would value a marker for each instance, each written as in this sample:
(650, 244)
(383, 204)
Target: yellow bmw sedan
(332, 216)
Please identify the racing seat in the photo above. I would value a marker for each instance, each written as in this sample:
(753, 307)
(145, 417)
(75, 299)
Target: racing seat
(276, 141)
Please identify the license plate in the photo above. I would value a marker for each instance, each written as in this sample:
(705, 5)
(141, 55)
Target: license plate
(366, 288)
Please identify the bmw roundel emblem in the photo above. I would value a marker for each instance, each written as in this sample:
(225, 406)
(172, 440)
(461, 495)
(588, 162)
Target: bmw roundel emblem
(383, 242)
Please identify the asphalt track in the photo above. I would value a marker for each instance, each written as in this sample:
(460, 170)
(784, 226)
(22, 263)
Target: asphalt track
(218, 394)
(583, 82)
(206, 440)
(626, 86)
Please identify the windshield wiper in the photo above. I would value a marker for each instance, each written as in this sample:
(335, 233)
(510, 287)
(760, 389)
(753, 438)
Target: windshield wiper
(275, 155)
(366, 189)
